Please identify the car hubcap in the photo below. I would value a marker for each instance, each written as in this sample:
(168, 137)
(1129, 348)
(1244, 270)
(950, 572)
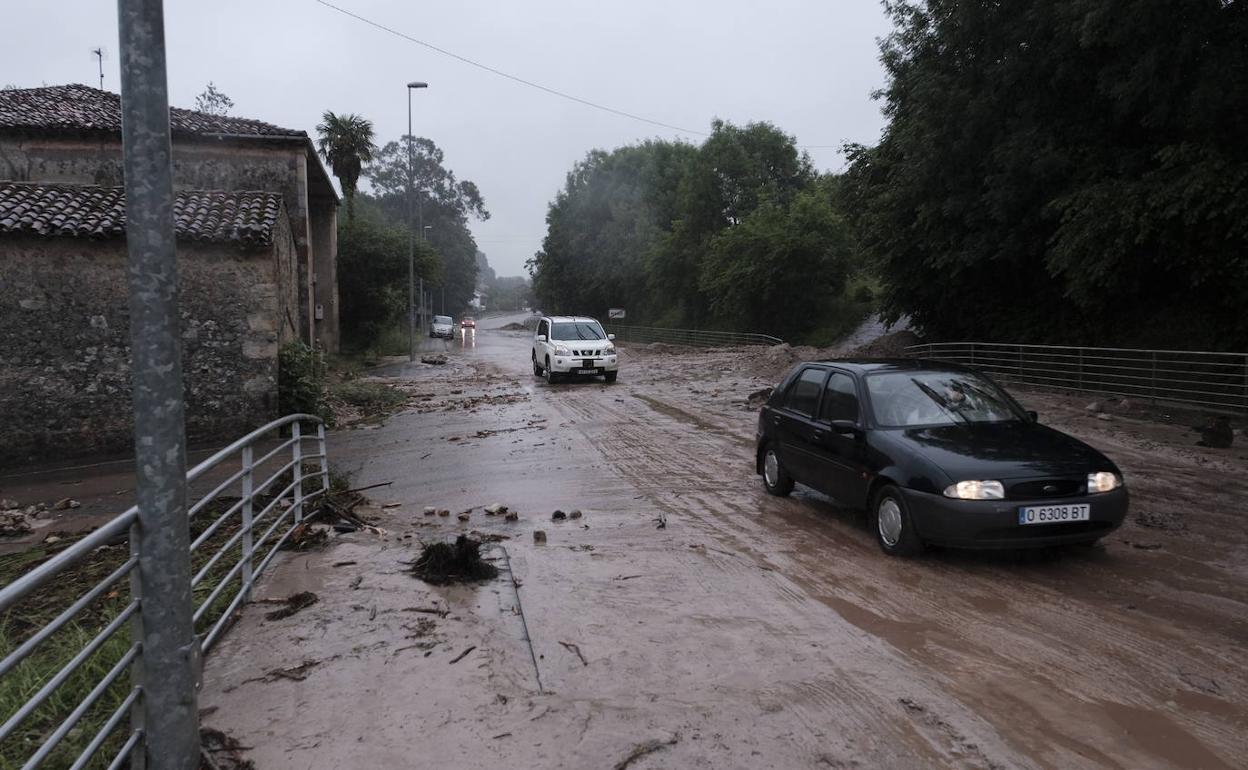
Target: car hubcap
(771, 469)
(889, 517)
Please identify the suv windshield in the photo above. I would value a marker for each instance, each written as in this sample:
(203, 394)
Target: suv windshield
(577, 331)
(911, 399)
(441, 319)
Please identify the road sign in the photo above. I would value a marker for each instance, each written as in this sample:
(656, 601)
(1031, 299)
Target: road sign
(615, 312)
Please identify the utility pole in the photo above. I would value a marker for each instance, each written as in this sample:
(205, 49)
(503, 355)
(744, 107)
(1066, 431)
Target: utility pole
(411, 236)
(167, 671)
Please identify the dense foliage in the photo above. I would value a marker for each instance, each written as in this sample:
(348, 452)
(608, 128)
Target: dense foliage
(1065, 170)
(738, 232)
(372, 275)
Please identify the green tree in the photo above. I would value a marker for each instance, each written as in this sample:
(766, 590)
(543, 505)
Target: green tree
(1065, 170)
(372, 276)
(346, 144)
(443, 207)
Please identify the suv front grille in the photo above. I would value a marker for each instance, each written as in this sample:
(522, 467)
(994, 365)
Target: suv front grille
(1044, 488)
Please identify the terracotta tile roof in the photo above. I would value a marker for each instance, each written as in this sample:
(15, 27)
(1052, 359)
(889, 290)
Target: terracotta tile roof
(82, 108)
(246, 219)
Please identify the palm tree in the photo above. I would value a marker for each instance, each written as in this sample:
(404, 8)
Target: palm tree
(346, 144)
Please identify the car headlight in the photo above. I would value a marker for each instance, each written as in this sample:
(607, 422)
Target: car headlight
(610, 350)
(1103, 482)
(976, 490)
(562, 350)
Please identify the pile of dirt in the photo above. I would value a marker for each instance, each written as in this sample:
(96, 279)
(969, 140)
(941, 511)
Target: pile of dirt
(888, 346)
(513, 327)
(444, 563)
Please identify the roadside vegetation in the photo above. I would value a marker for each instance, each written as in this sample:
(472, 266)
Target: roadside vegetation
(1069, 172)
(738, 233)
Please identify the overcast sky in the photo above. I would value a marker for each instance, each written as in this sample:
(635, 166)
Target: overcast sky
(807, 66)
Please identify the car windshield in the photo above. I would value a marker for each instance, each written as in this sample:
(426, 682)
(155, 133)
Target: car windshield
(912, 399)
(441, 319)
(577, 331)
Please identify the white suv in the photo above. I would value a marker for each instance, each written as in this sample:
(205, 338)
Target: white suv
(573, 346)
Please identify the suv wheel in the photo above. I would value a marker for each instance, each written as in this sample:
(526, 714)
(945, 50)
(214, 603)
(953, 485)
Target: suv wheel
(551, 377)
(611, 376)
(537, 368)
(894, 529)
(775, 480)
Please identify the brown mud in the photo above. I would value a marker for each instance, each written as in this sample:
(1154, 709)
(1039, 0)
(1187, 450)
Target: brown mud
(747, 631)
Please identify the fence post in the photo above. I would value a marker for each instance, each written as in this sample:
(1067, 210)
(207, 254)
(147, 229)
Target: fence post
(169, 661)
(320, 443)
(1079, 369)
(1153, 381)
(297, 435)
(138, 759)
(248, 543)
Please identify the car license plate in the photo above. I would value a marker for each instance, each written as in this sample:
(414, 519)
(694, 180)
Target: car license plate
(1053, 514)
(586, 371)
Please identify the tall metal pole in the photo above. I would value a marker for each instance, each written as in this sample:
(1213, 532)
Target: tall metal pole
(168, 669)
(411, 240)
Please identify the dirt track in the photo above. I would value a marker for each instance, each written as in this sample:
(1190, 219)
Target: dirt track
(748, 631)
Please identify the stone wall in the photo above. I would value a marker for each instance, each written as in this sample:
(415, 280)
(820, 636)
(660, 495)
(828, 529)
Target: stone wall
(65, 382)
(279, 166)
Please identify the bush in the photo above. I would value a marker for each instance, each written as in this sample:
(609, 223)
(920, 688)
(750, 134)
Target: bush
(301, 376)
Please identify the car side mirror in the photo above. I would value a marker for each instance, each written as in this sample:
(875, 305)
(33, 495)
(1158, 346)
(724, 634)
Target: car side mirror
(541, 338)
(846, 427)
(1034, 415)
(611, 337)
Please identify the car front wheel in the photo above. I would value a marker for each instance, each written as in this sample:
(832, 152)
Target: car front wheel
(551, 377)
(775, 480)
(611, 376)
(537, 368)
(894, 529)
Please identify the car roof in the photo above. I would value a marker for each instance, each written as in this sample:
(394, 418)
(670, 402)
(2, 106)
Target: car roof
(869, 365)
(572, 319)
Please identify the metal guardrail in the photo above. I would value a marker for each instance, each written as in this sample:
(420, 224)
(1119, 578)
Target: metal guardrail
(1201, 379)
(259, 507)
(691, 337)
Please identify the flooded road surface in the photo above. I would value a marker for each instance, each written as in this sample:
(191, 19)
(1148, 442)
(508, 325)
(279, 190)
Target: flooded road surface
(689, 620)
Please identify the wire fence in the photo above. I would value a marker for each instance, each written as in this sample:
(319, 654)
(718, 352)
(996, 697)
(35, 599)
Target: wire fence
(690, 337)
(1207, 380)
(70, 631)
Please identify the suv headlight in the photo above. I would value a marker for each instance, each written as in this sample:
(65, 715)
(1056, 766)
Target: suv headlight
(976, 490)
(609, 351)
(562, 350)
(1103, 481)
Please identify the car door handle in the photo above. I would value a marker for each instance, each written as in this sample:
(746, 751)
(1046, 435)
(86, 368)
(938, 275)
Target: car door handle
(818, 434)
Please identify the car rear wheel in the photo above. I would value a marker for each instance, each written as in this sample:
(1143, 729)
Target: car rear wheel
(894, 529)
(775, 480)
(537, 368)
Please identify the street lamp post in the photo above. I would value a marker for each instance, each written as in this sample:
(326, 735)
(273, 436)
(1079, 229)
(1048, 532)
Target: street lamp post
(411, 239)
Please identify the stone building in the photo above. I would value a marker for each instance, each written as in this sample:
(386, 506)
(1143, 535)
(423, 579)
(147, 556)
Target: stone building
(256, 234)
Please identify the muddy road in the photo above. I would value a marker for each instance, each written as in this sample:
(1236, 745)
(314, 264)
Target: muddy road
(689, 620)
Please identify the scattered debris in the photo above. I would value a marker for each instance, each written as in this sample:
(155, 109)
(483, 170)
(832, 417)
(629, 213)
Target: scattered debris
(305, 537)
(1107, 417)
(489, 537)
(439, 611)
(370, 486)
(8, 504)
(430, 510)
(758, 397)
(574, 648)
(444, 511)
(501, 735)
(356, 581)
(462, 655)
(435, 360)
(513, 327)
(627, 577)
(294, 603)
(1170, 521)
(14, 523)
(218, 751)
(294, 673)
(65, 504)
(1217, 434)
(443, 563)
(390, 505)
(465, 516)
(1095, 406)
(642, 749)
(512, 516)
(495, 509)
(539, 536)
(661, 521)
(575, 513)
(558, 516)
(342, 563)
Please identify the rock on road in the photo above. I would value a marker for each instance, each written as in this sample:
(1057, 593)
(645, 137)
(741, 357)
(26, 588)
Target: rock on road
(689, 620)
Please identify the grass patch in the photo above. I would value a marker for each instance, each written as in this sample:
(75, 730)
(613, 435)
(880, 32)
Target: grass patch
(36, 610)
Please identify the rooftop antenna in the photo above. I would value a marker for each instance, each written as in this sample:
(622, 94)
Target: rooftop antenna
(99, 56)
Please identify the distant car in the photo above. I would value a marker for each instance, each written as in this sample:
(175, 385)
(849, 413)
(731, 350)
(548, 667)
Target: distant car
(442, 326)
(573, 346)
(936, 454)
(467, 322)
